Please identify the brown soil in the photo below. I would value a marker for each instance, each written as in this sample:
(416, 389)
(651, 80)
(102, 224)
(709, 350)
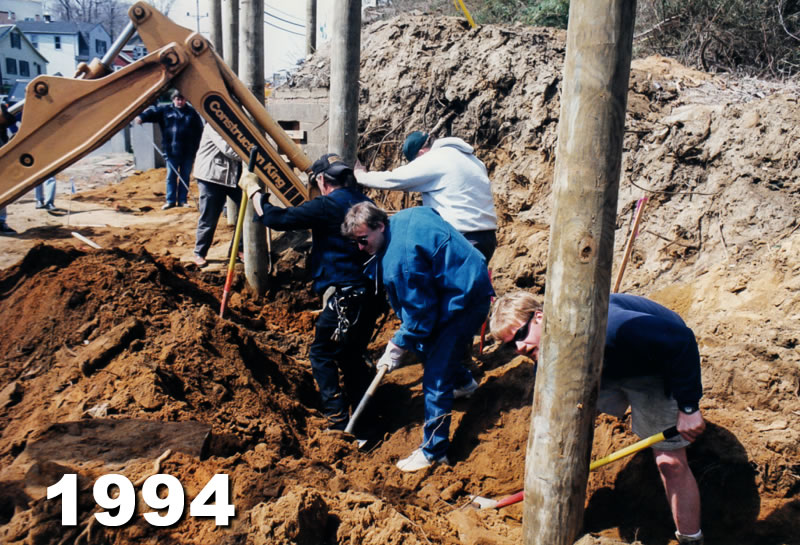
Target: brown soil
(113, 357)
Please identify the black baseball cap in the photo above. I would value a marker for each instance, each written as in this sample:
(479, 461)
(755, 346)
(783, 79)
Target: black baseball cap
(330, 164)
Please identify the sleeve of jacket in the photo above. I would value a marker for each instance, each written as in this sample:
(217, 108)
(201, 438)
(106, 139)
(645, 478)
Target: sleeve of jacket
(221, 144)
(413, 176)
(153, 114)
(306, 216)
(675, 347)
(419, 307)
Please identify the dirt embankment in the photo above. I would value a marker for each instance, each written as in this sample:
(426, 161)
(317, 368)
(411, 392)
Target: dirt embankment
(113, 357)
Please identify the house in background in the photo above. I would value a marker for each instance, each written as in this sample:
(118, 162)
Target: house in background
(66, 44)
(19, 59)
(12, 11)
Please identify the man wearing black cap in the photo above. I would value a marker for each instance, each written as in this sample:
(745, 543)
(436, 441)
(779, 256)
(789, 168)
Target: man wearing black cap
(181, 129)
(346, 322)
(452, 181)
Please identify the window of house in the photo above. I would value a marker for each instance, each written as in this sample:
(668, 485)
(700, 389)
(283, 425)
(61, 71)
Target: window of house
(57, 41)
(24, 68)
(100, 47)
(16, 41)
(34, 40)
(11, 66)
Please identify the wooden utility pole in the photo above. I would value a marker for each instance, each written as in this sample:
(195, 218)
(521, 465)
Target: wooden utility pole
(590, 132)
(251, 56)
(311, 26)
(345, 59)
(215, 24)
(230, 54)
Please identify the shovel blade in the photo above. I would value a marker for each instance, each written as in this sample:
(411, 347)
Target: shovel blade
(479, 502)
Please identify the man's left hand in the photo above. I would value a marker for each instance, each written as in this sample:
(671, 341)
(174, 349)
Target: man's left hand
(691, 426)
(250, 184)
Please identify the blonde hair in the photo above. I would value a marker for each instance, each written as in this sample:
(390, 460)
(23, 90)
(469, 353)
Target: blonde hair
(510, 310)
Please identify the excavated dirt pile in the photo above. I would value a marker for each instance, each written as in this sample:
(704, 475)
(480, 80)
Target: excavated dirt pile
(116, 361)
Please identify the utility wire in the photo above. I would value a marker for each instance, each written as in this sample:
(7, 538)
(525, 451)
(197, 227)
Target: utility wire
(283, 12)
(284, 20)
(285, 30)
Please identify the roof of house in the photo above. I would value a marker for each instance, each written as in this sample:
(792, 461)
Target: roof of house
(5, 29)
(56, 27)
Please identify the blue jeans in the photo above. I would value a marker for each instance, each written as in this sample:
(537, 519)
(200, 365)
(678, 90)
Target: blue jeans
(45, 192)
(444, 372)
(178, 191)
(212, 201)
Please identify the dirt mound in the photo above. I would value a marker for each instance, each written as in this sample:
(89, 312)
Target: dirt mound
(116, 361)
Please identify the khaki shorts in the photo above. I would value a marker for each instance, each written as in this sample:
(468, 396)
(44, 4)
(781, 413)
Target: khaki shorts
(651, 411)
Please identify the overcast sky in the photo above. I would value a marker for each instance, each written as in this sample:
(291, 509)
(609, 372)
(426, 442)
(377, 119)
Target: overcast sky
(284, 28)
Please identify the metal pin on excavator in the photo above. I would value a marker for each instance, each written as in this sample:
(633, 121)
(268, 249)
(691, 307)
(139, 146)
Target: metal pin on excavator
(67, 118)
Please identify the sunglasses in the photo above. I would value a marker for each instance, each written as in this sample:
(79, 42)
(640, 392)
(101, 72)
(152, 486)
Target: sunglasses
(360, 241)
(522, 332)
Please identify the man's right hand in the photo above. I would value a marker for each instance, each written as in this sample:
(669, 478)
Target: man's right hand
(250, 184)
(392, 358)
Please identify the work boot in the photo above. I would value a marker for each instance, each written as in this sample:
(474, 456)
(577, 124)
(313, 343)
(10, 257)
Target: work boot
(168, 205)
(200, 261)
(5, 229)
(417, 460)
(690, 540)
(465, 391)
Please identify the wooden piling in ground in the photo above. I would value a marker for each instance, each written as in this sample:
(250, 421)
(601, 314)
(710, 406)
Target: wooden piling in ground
(585, 187)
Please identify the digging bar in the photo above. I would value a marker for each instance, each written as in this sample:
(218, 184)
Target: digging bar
(226, 291)
(364, 400)
(489, 503)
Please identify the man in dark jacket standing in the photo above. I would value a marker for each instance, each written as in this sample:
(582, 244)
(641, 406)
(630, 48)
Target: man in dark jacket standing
(652, 364)
(181, 129)
(346, 322)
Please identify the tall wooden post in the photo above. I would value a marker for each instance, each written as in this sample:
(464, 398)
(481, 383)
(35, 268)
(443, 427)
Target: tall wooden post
(230, 54)
(345, 59)
(251, 57)
(215, 24)
(591, 128)
(311, 26)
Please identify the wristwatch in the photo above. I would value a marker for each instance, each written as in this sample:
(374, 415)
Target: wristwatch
(688, 409)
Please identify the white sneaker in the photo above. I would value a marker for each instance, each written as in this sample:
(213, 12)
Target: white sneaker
(417, 460)
(465, 391)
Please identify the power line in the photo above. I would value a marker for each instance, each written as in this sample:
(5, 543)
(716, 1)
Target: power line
(284, 20)
(284, 29)
(283, 12)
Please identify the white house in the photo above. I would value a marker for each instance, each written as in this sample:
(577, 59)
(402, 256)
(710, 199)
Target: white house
(19, 59)
(66, 44)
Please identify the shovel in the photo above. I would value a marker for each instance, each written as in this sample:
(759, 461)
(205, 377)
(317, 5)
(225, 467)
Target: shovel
(226, 290)
(488, 503)
(364, 400)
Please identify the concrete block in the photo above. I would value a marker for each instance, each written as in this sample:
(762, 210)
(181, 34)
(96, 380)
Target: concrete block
(142, 138)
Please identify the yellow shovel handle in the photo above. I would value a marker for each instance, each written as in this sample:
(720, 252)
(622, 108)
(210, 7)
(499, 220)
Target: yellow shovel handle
(643, 444)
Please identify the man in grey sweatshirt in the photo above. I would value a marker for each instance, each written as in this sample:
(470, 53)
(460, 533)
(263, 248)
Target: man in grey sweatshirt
(452, 181)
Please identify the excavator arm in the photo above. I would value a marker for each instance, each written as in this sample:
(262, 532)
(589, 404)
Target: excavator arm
(66, 118)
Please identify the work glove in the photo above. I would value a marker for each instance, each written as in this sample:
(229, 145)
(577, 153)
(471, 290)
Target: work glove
(392, 358)
(250, 184)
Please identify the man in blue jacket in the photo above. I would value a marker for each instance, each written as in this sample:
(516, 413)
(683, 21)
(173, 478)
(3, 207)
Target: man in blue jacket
(652, 364)
(344, 326)
(181, 129)
(438, 285)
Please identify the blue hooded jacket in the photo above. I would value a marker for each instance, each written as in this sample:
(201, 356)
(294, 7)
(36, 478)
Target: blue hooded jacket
(645, 339)
(430, 272)
(335, 261)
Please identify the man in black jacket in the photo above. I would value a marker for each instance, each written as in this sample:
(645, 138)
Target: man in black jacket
(345, 324)
(652, 364)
